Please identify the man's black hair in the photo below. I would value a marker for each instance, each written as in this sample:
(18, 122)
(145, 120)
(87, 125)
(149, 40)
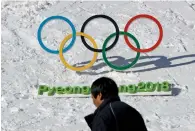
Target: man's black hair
(106, 86)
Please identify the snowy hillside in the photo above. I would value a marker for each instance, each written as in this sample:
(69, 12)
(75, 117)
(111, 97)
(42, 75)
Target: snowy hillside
(25, 64)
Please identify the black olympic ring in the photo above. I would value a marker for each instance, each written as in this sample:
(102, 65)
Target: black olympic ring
(105, 17)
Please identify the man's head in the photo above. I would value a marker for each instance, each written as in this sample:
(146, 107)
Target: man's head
(103, 88)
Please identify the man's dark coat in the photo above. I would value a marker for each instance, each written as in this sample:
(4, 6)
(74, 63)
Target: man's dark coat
(115, 115)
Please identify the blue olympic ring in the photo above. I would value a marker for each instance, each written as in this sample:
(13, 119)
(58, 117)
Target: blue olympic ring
(61, 18)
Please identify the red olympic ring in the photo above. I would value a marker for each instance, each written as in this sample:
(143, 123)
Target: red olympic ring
(159, 39)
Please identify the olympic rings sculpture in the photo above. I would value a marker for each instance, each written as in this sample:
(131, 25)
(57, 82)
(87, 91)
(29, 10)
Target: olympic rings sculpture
(95, 49)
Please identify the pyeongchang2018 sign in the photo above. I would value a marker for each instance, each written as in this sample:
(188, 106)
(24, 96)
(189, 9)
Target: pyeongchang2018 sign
(104, 48)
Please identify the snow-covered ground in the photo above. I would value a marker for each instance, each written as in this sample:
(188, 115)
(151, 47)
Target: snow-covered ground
(25, 64)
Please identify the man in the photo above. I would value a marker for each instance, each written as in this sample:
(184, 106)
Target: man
(111, 113)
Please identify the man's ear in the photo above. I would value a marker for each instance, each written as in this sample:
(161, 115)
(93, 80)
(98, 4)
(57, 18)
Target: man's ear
(101, 98)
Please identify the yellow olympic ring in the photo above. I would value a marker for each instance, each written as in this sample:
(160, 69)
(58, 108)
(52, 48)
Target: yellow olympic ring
(85, 66)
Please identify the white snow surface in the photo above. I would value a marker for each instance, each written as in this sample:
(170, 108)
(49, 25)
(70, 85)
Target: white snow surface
(25, 64)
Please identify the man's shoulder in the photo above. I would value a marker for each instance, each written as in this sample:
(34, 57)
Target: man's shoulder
(121, 107)
(117, 106)
(121, 104)
(122, 111)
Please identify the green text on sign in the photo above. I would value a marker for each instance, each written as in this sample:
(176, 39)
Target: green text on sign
(86, 90)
